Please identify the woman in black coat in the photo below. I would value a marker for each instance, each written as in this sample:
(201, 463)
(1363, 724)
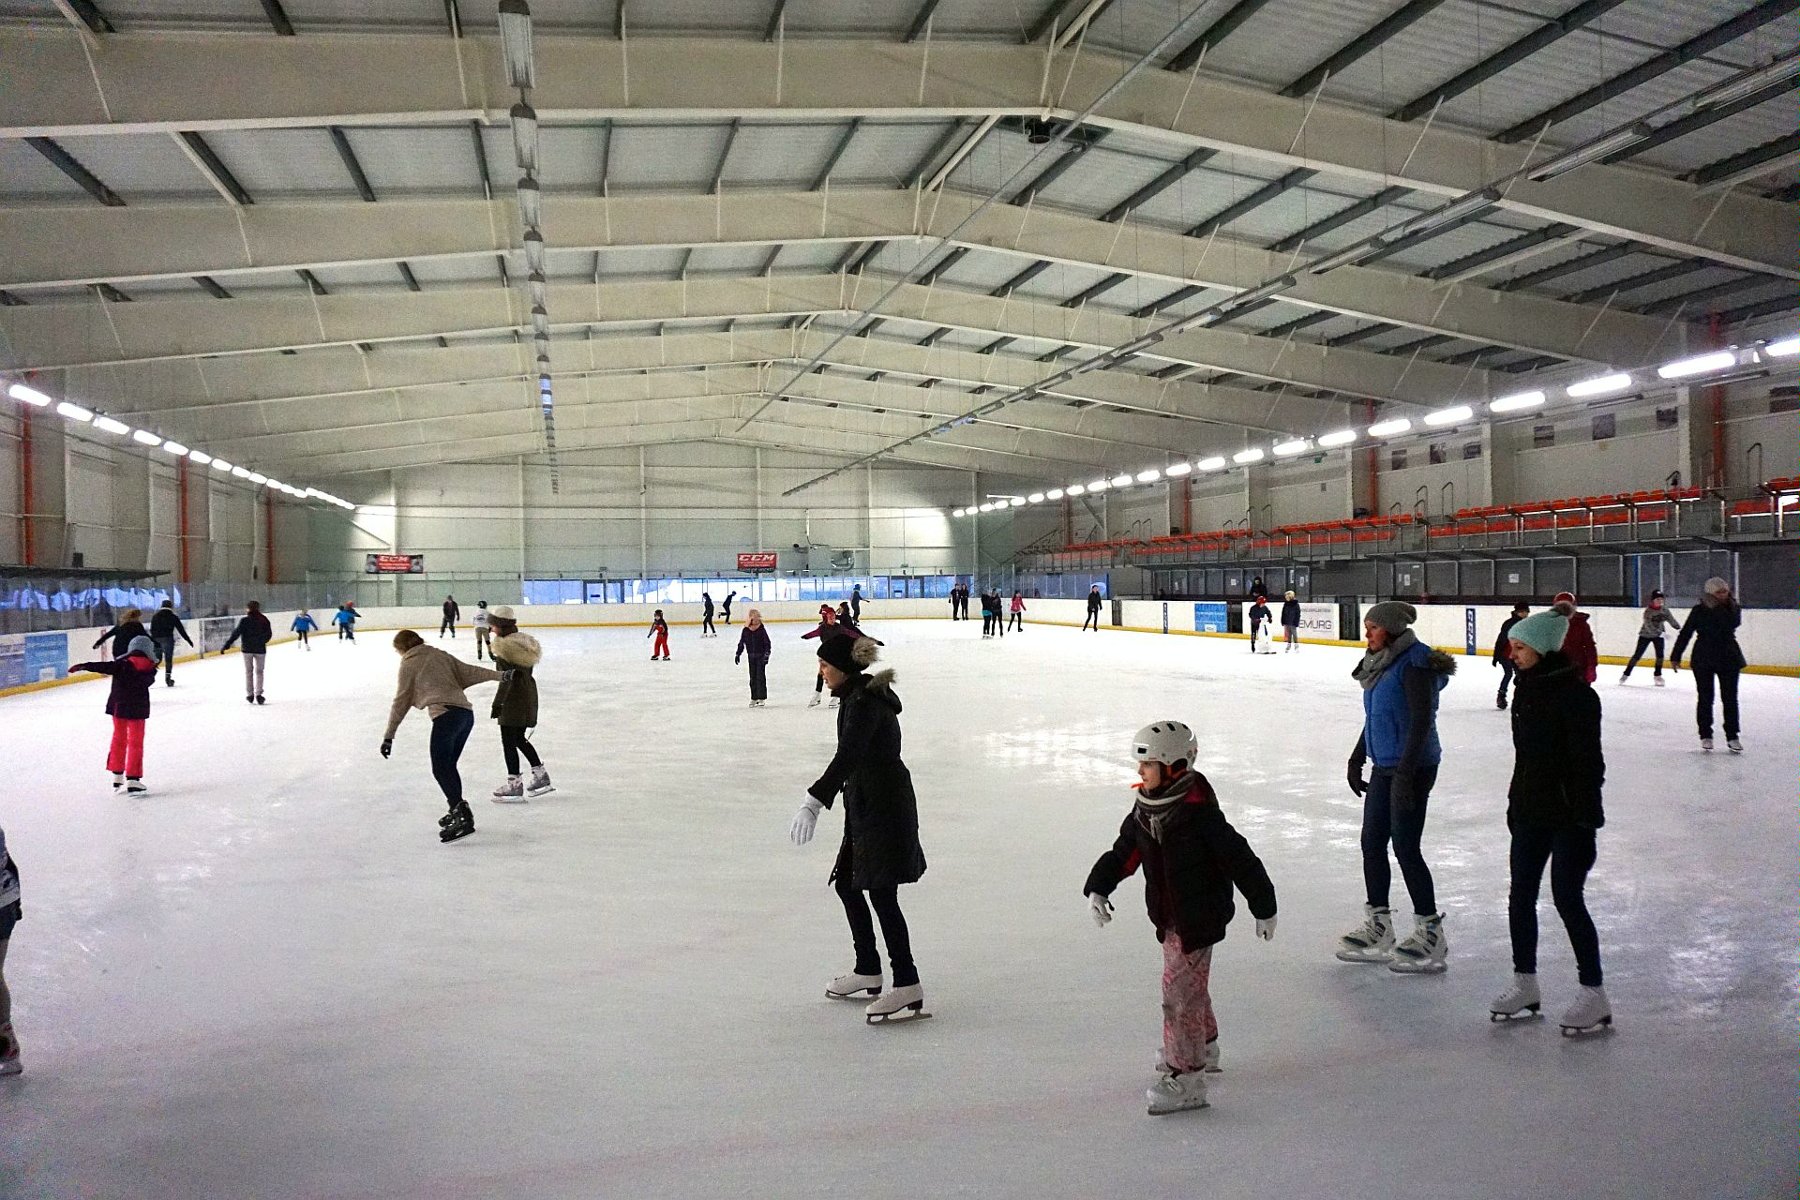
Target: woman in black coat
(130, 626)
(1713, 624)
(1554, 812)
(880, 850)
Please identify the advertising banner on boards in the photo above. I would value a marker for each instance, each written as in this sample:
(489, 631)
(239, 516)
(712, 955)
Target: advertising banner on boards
(1210, 616)
(1316, 620)
(393, 564)
(756, 560)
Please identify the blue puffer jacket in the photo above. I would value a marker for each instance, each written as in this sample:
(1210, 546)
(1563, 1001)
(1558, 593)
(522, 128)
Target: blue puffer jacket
(1387, 718)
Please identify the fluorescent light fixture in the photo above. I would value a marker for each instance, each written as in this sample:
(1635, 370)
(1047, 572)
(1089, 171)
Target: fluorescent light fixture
(1211, 464)
(1247, 456)
(1150, 476)
(1099, 485)
(73, 411)
(1342, 437)
(956, 512)
(1288, 449)
(144, 437)
(987, 508)
(1017, 502)
(1594, 151)
(1517, 403)
(1449, 416)
(111, 425)
(199, 457)
(221, 466)
(1751, 83)
(240, 472)
(515, 42)
(28, 395)
(1121, 481)
(1603, 385)
(1054, 494)
(1076, 489)
(525, 136)
(1348, 257)
(175, 448)
(534, 251)
(1265, 292)
(540, 292)
(1785, 348)
(1425, 222)
(256, 478)
(1035, 498)
(1392, 428)
(1177, 470)
(531, 203)
(1702, 364)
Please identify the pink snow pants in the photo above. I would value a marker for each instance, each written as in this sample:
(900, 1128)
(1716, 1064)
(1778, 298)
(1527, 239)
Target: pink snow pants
(126, 755)
(1188, 1023)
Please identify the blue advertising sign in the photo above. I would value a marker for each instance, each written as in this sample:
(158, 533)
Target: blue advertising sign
(1469, 630)
(1209, 616)
(46, 657)
(12, 660)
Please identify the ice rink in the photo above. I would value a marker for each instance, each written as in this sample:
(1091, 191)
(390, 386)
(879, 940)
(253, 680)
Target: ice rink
(268, 978)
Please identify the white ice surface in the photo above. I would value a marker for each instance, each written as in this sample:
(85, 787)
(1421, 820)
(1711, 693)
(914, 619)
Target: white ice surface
(268, 978)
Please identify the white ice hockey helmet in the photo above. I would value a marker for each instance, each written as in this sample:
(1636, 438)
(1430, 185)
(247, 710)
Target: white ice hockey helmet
(1167, 742)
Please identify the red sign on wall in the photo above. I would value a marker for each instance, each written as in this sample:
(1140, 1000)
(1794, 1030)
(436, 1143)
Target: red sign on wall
(756, 560)
(394, 564)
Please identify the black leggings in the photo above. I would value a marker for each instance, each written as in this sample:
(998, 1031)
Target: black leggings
(1016, 620)
(886, 902)
(1383, 823)
(1570, 853)
(513, 743)
(1703, 704)
(304, 634)
(1644, 643)
(1093, 618)
(759, 677)
(1507, 671)
(449, 734)
(706, 624)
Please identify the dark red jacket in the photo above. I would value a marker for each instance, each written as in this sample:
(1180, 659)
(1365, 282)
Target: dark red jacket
(132, 678)
(1189, 873)
(1578, 647)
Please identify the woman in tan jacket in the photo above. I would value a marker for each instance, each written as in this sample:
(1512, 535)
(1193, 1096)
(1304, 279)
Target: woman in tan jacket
(433, 680)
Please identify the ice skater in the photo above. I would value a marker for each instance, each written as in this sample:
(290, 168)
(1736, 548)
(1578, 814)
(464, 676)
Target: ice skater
(706, 616)
(254, 632)
(1259, 618)
(452, 614)
(1503, 651)
(11, 1061)
(483, 623)
(1579, 646)
(120, 636)
(1554, 813)
(516, 656)
(1017, 617)
(345, 620)
(1650, 633)
(826, 628)
(434, 680)
(856, 603)
(1290, 623)
(1713, 626)
(659, 629)
(165, 625)
(1401, 678)
(128, 704)
(1093, 609)
(303, 627)
(1192, 858)
(753, 640)
(725, 606)
(880, 850)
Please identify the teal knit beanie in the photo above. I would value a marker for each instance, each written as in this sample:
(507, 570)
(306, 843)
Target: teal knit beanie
(1542, 631)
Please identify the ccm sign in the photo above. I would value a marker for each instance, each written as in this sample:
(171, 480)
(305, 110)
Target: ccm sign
(756, 560)
(394, 564)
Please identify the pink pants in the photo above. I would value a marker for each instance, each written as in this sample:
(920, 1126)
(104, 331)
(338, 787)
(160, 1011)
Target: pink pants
(1188, 1023)
(126, 757)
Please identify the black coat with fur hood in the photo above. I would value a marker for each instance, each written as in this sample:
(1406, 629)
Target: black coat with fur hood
(516, 700)
(881, 815)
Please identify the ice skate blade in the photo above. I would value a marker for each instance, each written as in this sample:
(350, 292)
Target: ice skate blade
(508, 799)
(858, 994)
(1365, 956)
(1530, 1012)
(533, 794)
(1604, 1025)
(447, 836)
(1402, 967)
(1159, 1110)
(912, 1012)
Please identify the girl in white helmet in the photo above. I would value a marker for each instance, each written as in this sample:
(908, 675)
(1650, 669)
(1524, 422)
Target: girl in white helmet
(1191, 857)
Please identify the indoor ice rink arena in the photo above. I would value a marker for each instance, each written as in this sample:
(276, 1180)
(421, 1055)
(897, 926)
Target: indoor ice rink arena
(1273, 535)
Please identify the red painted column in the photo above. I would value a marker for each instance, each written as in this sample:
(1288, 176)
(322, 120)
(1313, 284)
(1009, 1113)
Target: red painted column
(184, 563)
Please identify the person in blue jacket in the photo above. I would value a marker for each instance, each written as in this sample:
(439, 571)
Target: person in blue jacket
(304, 625)
(1401, 678)
(345, 620)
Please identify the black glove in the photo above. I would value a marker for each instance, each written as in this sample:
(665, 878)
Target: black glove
(1401, 791)
(1355, 776)
(387, 747)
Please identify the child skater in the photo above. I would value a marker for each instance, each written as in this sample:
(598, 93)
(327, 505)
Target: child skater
(827, 627)
(483, 623)
(302, 626)
(753, 640)
(128, 705)
(1018, 612)
(345, 620)
(1191, 858)
(10, 911)
(516, 655)
(659, 629)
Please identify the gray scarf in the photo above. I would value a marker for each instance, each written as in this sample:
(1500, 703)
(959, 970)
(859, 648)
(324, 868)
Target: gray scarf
(1375, 663)
(1155, 808)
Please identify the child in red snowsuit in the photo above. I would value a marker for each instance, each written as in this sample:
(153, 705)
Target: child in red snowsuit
(1578, 647)
(659, 629)
(129, 707)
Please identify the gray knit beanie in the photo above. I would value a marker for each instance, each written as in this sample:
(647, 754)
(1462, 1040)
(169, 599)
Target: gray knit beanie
(1395, 616)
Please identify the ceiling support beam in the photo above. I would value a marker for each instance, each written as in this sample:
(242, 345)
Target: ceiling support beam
(1189, 56)
(216, 172)
(1394, 23)
(1773, 155)
(65, 162)
(278, 18)
(342, 142)
(1551, 31)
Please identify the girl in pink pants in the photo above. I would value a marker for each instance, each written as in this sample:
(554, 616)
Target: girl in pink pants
(129, 707)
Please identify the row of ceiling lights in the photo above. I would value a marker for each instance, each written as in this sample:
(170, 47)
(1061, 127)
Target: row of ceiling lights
(1715, 362)
(521, 72)
(76, 415)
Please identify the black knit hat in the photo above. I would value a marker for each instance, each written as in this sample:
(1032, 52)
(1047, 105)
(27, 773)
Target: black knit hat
(849, 655)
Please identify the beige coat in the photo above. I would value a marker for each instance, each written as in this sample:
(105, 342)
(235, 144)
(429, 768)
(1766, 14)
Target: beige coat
(433, 680)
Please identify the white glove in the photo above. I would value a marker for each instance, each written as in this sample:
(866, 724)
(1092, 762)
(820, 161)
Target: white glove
(1265, 928)
(1101, 907)
(805, 821)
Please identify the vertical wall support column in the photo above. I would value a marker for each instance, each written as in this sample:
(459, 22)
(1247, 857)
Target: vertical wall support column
(869, 518)
(521, 461)
(184, 566)
(761, 544)
(1373, 461)
(268, 536)
(643, 518)
(27, 491)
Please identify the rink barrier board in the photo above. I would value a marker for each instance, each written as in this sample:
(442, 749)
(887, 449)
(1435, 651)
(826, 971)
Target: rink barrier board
(81, 649)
